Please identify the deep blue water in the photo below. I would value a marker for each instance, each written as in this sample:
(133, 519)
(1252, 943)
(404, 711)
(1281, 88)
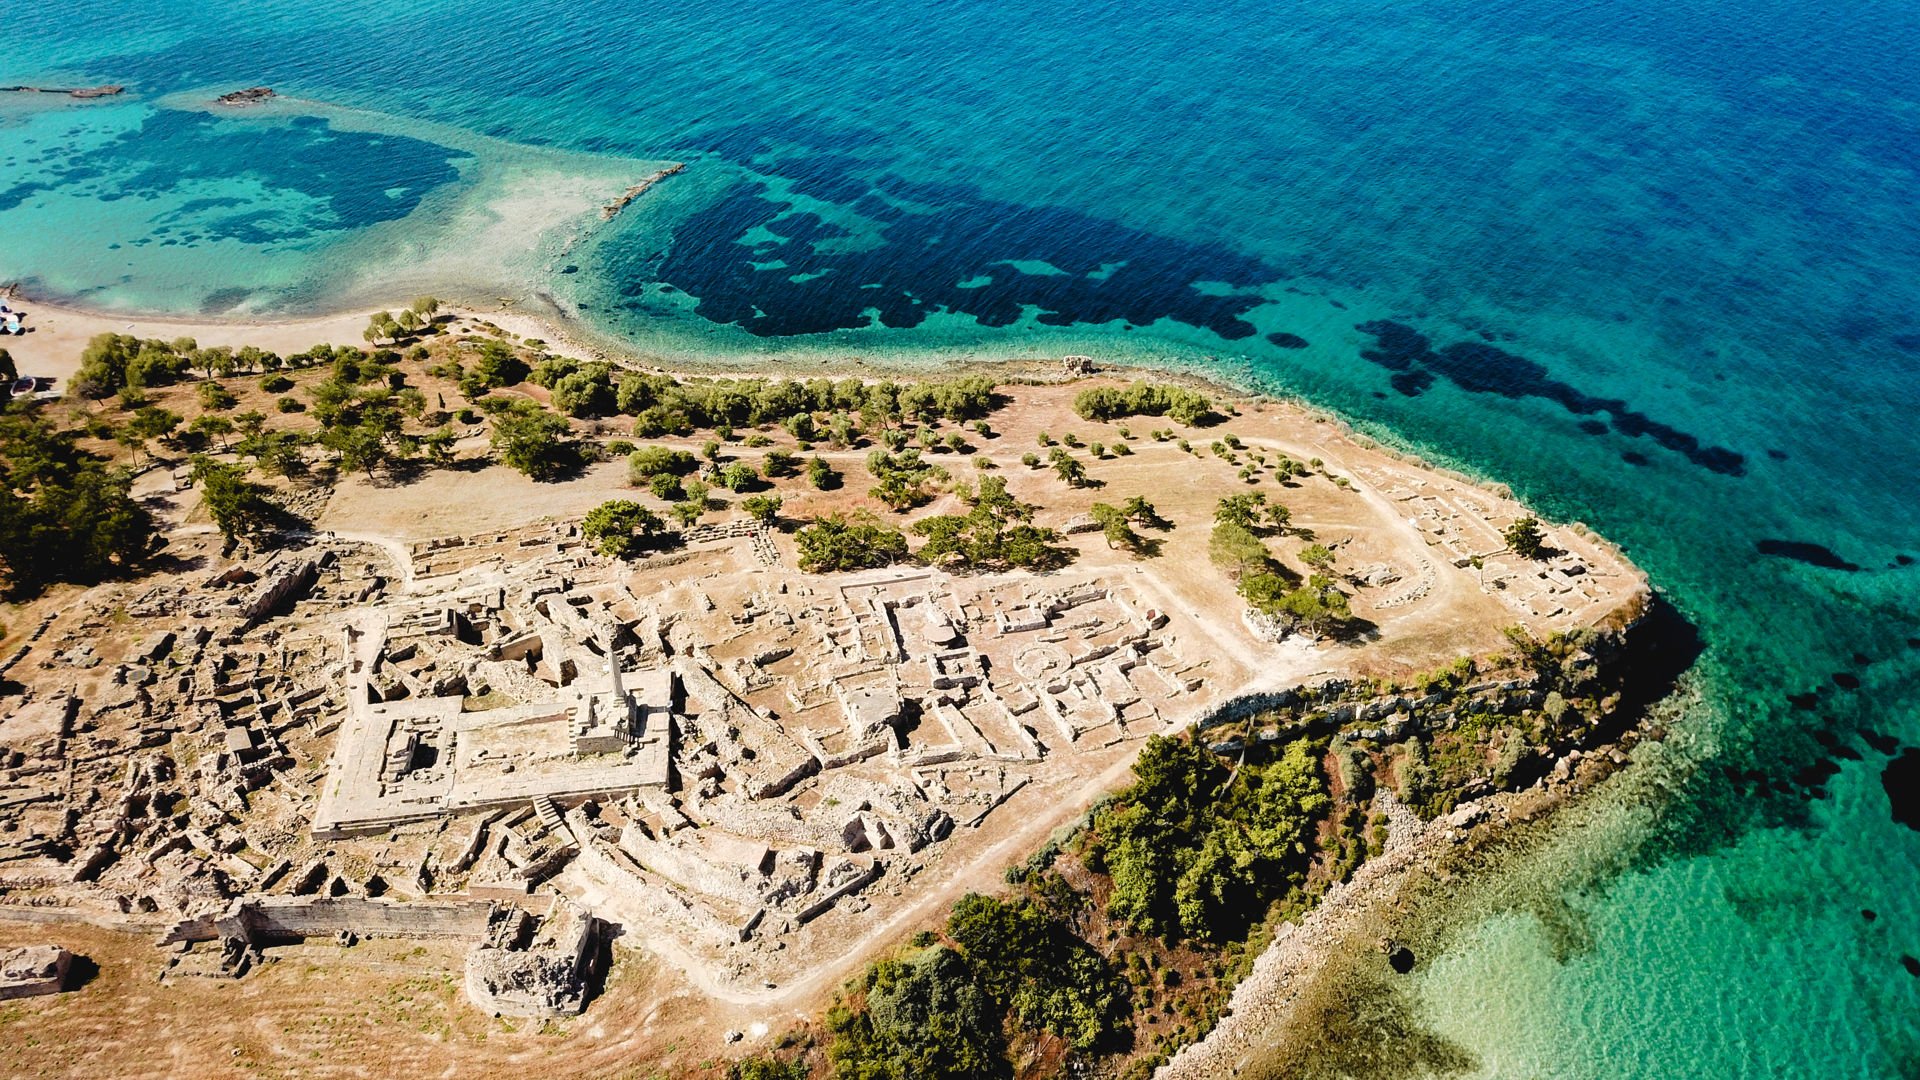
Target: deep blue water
(1657, 265)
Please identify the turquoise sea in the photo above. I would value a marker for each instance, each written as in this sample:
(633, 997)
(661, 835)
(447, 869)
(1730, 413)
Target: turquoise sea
(1656, 263)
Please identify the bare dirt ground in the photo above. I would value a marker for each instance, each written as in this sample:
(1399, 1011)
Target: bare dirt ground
(382, 1008)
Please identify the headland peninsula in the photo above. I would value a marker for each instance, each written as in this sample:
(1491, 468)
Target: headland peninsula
(415, 690)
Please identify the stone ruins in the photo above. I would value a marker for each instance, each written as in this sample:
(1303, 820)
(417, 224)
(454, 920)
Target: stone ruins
(511, 740)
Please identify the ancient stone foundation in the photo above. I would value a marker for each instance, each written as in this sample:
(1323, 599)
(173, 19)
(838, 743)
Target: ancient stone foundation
(536, 968)
(33, 970)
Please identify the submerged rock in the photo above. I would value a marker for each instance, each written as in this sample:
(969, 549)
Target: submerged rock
(1812, 554)
(252, 95)
(1901, 778)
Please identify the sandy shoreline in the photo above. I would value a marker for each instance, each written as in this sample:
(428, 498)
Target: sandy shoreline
(58, 332)
(60, 329)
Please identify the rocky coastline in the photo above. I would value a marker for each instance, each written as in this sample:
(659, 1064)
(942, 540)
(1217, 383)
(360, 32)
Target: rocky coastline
(1269, 1006)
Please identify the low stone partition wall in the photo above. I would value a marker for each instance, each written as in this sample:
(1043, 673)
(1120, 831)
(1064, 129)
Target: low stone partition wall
(853, 885)
(269, 919)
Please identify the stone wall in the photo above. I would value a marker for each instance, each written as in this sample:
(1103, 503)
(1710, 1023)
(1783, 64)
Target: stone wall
(269, 919)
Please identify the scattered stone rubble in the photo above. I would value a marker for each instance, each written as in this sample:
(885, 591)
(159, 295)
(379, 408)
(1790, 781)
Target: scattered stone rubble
(536, 967)
(831, 732)
(135, 775)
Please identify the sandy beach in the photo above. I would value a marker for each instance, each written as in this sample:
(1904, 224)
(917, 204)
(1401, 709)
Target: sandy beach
(58, 333)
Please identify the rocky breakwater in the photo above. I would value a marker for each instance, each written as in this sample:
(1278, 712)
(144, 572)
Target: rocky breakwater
(81, 92)
(612, 209)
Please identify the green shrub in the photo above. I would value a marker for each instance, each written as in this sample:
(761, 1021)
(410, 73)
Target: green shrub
(822, 475)
(1191, 855)
(838, 542)
(648, 462)
(764, 509)
(534, 441)
(1145, 399)
(666, 486)
(623, 528)
(740, 477)
(781, 463)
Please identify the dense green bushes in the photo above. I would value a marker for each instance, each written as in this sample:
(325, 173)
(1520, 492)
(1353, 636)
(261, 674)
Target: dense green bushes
(623, 528)
(996, 533)
(534, 441)
(904, 479)
(114, 362)
(497, 365)
(1145, 399)
(649, 462)
(239, 506)
(1196, 850)
(586, 392)
(927, 1017)
(122, 364)
(767, 1067)
(65, 515)
(941, 1011)
(1024, 953)
(664, 405)
(838, 542)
